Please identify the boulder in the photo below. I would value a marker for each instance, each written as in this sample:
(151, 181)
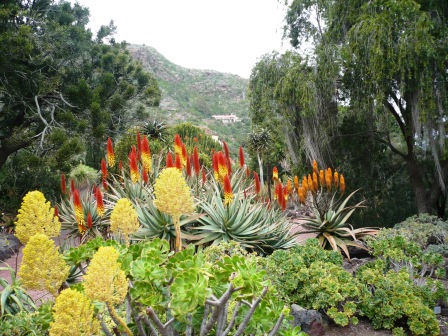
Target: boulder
(9, 245)
(309, 321)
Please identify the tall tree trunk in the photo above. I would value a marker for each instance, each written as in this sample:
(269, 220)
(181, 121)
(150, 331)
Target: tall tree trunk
(417, 184)
(260, 164)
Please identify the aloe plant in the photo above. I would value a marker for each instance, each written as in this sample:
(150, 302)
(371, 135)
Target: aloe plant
(254, 225)
(14, 298)
(331, 226)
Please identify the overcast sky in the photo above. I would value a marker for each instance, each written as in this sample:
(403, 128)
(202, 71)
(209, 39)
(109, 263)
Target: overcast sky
(223, 35)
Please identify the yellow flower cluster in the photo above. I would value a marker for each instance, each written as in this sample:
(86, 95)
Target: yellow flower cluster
(73, 315)
(105, 281)
(124, 219)
(173, 198)
(172, 193)
(36, 216)
(43, 267)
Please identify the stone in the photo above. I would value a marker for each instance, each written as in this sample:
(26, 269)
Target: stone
(309, 321)
(9, 245)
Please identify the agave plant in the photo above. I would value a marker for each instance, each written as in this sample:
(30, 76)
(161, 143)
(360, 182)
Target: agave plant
(332, 228)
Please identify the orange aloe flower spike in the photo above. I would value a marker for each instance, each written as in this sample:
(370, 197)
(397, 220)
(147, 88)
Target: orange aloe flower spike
(177, 145)
(145, 177)
(275, 174)
(322, 178)
(310, 183)
(110, 153)
(342, 183)
(183, 157)
(222, 166)
(328, 178)
(215, 166)
(296, 182)
(315, 170)
(56, 211)
(315, 182)
(336, 179)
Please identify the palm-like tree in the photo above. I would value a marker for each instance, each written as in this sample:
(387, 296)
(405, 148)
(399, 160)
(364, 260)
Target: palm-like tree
(260, 141)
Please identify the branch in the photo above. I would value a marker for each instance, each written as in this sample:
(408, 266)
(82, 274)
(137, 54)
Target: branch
(233, 319)
(159, 325)
(397, 117)
(391, 146)
(277, 325)
(251, 311)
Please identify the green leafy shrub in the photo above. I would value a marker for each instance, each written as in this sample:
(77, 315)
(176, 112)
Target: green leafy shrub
(392, 297)
(14, 298)
(422, 229)
(440, 249)
(27, 323)
(314, 278)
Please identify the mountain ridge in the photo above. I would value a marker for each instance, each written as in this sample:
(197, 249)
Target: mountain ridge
(194, 95)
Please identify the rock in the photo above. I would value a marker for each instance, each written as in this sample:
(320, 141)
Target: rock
(355, 263)
(9, 245)
(309, 321)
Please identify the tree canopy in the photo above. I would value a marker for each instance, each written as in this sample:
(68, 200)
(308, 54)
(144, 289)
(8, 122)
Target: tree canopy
(385, 62)
(63, 90)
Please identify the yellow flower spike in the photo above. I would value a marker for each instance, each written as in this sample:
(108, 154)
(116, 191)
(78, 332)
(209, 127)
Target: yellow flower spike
(73, 315)
(36, 216)
(173, 197)
(43, 267)
(124, 219)
(105, 281)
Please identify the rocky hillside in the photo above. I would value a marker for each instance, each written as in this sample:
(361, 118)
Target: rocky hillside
(195, 95)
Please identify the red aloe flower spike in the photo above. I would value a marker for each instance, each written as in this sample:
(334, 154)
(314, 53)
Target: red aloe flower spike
(204, 177)
(247, 172)
(241, 157)
(257, 183)
(226, 150)
(177, 145)
(183, 157)
(177, 162)
(99, 203)
(72, 186)
(188, 166)
(56, 211)
(169, 161)
(146, 155)
(195, 139)
(145, 176)
(89, 221)
(135, 177)
(120, 166)
(139, 146)
(196, 164)
(228, 194)
(104, 172)
(104, 182)
(110, 153)
(94, 189)
(63, 184)
(229, 166)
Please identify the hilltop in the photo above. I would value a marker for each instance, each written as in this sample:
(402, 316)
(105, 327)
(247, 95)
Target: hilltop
(192, 95)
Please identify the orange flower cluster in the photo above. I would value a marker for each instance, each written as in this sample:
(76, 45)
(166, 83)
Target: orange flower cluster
(79, 214)
(110, 153)
(325, 178)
